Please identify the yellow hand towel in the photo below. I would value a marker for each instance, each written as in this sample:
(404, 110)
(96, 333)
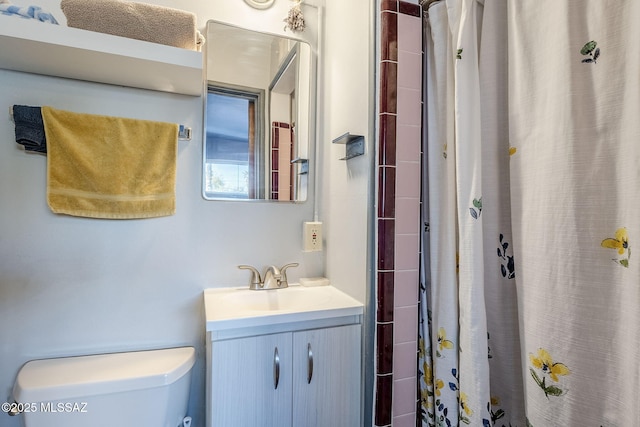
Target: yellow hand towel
(109, 167)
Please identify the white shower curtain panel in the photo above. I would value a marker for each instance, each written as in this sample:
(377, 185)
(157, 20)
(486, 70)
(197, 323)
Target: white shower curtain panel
(531, 125)
(470, 371)
(574, 118)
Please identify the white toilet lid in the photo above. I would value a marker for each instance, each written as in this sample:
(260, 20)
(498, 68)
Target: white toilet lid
(68, 377)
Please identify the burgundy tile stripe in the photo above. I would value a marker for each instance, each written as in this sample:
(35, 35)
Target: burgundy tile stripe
(275, 138)
(386, 243)
(276, 135)
(291, 167)
(275, 167)
(391, 5)
(409, 8)
(275, 145)
(386, 193)
(274, 185)
(387, 143)
(385, 296)
(389, 32)
(384, 392)
(388, 87)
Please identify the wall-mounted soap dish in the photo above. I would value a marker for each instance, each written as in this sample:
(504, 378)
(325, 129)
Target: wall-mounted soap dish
(354, 145)
(304, 165)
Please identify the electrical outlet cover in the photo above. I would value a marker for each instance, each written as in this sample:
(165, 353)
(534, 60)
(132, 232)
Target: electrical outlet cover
(312, 236)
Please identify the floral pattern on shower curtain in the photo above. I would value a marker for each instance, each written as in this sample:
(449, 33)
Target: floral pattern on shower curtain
(574, 102)
(530, 294)
(470, 350)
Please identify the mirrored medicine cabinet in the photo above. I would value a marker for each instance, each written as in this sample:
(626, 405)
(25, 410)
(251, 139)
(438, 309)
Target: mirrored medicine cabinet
(259, 115)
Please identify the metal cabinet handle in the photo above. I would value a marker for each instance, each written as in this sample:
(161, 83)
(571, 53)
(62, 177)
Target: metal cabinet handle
(276, 369)
(309, 363)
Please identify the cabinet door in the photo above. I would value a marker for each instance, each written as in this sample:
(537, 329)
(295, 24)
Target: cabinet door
(326, 379)
(244, 373)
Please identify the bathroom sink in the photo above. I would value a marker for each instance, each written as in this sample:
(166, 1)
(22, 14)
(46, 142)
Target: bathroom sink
(229, 308)
(289, 299)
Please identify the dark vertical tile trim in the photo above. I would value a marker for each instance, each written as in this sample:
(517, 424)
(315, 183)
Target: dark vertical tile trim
(387, 192)
(384, 388)
(274, 185)
(386, 244)
(387, 147)
(391, 5)
(276, 135)
(388, 87)
(386, 285)
(409, 8)
(384, 335)
(292, 173)
(387, 142)
(389, 36)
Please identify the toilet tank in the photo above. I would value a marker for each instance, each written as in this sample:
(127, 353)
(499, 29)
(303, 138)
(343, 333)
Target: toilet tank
(141, 389)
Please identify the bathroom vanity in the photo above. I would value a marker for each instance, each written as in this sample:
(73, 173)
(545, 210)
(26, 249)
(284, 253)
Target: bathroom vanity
(285, 357)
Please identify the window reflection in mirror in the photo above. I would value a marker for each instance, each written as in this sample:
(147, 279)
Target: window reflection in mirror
(233, 160)
(258, 115)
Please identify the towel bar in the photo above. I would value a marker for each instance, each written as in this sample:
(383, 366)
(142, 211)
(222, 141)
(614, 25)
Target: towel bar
(184, 132)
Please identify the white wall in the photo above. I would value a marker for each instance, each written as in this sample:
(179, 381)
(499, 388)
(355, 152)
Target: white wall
(346, 185)
(72, 286)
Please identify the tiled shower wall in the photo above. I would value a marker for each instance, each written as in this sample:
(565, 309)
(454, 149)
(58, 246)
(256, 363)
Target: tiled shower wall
(399, 166)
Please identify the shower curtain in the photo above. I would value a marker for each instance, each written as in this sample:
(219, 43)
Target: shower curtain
(530, 299)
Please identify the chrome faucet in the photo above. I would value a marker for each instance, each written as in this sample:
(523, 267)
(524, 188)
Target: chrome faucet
(283, 272)
(255, 282)
(274, 277)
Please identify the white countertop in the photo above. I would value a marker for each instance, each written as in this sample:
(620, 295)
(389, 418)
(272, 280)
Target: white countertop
(234, 308)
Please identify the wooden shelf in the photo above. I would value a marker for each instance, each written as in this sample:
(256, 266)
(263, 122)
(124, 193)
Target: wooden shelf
(55, 50)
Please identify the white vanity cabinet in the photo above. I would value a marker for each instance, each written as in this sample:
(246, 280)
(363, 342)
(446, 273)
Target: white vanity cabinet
(285, 368)
(242, 390)
(326, 377)
(305, 378)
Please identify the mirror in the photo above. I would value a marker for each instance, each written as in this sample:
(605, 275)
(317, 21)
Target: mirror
(258, 115)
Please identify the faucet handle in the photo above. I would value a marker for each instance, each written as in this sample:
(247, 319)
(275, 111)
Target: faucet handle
(256, 280)
(283, 272)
